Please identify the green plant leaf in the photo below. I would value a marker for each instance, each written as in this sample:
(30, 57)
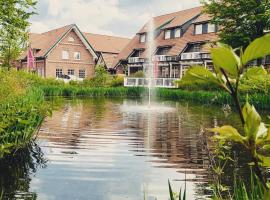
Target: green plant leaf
(228, 133)
(252, 121)
(254, 71)
(264, 160)
(225, 58)
(170, 190)
(199, 72)
(259, 48)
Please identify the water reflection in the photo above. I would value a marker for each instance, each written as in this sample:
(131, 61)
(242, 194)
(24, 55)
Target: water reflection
(16, 173)
(96, 150)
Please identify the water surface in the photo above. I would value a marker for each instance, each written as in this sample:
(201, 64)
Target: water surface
(101, 149)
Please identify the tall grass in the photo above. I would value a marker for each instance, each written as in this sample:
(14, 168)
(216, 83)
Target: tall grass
(22, 110)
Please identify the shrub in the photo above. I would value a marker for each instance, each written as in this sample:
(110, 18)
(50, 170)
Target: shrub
(117, 81)
(138, 74)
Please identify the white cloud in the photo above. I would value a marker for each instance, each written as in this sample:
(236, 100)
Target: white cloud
(103, 16)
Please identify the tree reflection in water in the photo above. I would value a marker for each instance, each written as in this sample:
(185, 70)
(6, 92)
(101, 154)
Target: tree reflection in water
(16, 172)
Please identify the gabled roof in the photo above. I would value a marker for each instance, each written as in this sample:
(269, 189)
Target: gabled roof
(177, 44)
(173, 19)
(106, 43)
(45, 42)
(203, 18)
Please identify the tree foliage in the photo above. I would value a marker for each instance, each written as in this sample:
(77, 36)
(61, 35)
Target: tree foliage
(14, 24)
(241, 21)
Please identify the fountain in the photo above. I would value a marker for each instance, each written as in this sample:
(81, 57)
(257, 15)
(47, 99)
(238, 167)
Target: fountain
(150, 49)
(150, 72)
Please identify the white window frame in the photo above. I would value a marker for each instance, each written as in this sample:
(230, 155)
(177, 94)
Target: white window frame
(58, 71)
(143, 38)
(82, 71)
(167, 34)
(177, 33)
(198, 29)
(65, 55)
(211, 28)
(77, 55)
(71, 70)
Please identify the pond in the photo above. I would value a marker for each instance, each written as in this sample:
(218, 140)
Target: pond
(109, 149)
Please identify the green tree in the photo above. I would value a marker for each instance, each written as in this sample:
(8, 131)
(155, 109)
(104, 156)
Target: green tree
(14, 25)
(242, 21)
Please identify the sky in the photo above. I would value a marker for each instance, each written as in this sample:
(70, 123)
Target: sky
(111, 17)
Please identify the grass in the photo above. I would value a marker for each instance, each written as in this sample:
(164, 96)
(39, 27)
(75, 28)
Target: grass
(22, 110)
(259, 100)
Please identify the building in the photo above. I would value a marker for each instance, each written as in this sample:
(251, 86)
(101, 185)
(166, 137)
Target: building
(181, 39)
(67, 50)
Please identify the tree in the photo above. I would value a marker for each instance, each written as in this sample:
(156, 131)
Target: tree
(241, 21)
(14, 24)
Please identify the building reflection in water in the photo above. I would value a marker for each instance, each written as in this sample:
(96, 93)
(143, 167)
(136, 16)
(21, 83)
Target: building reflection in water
(97, 150)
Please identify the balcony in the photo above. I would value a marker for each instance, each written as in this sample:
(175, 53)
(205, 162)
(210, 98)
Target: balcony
(155, 82)
(161, 58)
(135, 60)
(191, 56)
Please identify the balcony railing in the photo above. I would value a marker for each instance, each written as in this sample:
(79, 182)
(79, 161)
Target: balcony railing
(161, 58)
(191, 56)
(194, 56)
(145, 82)
(135, 60)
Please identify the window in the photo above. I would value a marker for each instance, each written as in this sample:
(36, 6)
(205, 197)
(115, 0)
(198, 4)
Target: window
(198, 29)
(177, 33)
(142, 38)
(65, 55)
(58, 72)
(197, 47)
(71, 72)
(81, 73)
(204, 28)
(167, 34)
(71, 39)
(211, 28)
(77, 55)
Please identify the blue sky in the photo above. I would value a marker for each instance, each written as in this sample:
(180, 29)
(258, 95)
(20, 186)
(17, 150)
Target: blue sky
(113, 17)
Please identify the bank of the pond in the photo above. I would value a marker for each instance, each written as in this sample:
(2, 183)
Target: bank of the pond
(22, 110)
(259, 100)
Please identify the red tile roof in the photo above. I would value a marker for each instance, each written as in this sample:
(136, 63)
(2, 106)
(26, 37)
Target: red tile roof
(177, 44)
(110, 45)
(105, 43)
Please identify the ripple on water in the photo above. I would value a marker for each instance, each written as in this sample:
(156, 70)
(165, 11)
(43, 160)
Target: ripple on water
(106, 150)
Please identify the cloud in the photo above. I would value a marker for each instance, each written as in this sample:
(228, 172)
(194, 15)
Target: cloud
(115, 17)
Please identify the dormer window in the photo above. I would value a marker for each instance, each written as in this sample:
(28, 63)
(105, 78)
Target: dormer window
(167, 34)
(177, 33)
(198, 29)
(71, 39)
(211, 28)
(143, 38)
(205, 28)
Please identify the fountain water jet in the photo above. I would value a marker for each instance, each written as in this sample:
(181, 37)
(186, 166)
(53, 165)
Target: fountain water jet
(150, 49)
(150, 72)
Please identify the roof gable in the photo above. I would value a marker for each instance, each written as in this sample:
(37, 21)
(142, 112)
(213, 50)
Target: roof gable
(80, 35)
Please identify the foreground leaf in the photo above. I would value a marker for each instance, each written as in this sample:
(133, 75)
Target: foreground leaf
(229, 133)
(252, 121)
(225, 58)
(259, 48)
